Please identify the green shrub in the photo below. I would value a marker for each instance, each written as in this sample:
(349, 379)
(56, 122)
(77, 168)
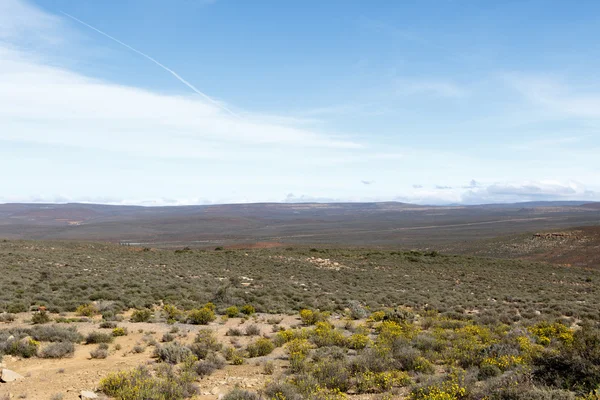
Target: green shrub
(201, 316)
(40, 317)
(86, 310)
(261, 347)
(141, 315)
(205, 343)
(232, 311)
(26, 347)
(119, 332)
(140, 384)
(248, 309)
(98, 337)
(172, 313)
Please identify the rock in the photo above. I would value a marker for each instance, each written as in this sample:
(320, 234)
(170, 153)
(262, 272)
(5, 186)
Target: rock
(6, 375)
(87, 395)
(215, 391)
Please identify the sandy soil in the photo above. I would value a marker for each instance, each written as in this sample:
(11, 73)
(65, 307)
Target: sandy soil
(69, 376)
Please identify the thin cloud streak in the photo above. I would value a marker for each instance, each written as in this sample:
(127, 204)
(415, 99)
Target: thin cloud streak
(169, 70)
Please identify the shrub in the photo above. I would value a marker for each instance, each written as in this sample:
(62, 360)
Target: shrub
(234, 332)
(282, 390)
(240, 394)
(324, 334)
(172, 313)
(232, 311)
(332, 374)
(140, 384)
(55, 333)
(26, 347)
(201, 316)
(212, 362)
(268, 368)
(86, 310)
(119, 332)
(261, 347)
(575, 365)
(167, 337)
(101, 352)
(141, 315)
(57, 350)
(205, 343)
(248, 309)
(98, 337)
(138, 348)
(252, 330)
(357, 310)
(377, 316)
(377, 382)
(358, 341)
(172, 353)
(310, 317)
(7, 317)
(108, 325)
(40, 317)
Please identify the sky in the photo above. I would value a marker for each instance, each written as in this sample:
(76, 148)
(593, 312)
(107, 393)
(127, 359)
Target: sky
(155, 102)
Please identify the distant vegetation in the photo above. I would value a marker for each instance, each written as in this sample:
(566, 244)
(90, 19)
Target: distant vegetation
(70, 277)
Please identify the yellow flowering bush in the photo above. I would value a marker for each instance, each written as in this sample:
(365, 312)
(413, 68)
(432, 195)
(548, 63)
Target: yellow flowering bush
(377, 382)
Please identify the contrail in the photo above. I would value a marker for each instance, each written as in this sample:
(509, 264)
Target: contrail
(169, 70)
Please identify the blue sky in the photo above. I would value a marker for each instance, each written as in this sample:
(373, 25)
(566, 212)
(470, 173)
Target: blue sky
(431, 102)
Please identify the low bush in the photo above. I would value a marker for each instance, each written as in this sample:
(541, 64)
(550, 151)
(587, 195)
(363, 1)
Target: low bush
(98, 337)
(252, 330)
(40, 317)
(205, 342)
(213, 362)
(57, 350)
(260, 348)
(240, 394)
(143, 315)
(202, 316)
(101, 352)
(140, 384)
(119, 332)
(232, 311)
(108, 325)
(234, 332)
(55, 333)
(172, 353)
(248, 309)
(86, 310)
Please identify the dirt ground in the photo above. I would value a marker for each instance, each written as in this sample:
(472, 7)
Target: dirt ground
(45, 378)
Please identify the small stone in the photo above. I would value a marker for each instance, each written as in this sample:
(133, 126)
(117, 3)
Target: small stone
(215, 391)
(87, 395)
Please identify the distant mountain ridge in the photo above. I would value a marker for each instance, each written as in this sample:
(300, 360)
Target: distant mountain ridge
(385, 223)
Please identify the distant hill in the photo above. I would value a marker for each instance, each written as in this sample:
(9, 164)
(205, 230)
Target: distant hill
(593, 206)
(368, 224)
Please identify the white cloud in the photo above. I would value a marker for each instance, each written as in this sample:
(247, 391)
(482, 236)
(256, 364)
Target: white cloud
(552, 93)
